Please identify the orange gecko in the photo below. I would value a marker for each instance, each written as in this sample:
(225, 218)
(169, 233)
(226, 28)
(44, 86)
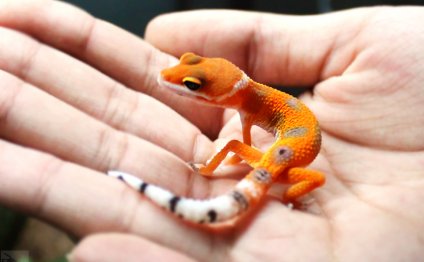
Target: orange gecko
(218, 82)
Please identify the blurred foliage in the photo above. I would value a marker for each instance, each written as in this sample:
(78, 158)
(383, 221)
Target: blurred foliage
(11, 224)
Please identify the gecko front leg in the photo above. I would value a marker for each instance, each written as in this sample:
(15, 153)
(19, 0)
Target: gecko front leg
(247, 153)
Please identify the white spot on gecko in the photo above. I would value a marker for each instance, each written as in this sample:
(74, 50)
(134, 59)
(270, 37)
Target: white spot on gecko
(247, 186)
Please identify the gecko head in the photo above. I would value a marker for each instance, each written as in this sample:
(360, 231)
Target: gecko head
(211, 80)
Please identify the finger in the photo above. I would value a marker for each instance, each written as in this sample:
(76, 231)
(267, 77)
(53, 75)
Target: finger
(35, 119)
(118, 247)
(82, 201)
(108, 48)
(288, 50)
(103, 98)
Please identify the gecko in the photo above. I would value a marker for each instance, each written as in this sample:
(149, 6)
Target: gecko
(218, 82)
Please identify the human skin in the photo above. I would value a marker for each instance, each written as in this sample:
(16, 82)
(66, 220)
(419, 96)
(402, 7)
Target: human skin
(79, 97)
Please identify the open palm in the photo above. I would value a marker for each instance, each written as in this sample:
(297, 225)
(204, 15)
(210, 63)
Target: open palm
(76, 122)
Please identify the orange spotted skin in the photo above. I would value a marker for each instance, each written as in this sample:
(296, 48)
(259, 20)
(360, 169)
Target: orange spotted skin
(218, 82)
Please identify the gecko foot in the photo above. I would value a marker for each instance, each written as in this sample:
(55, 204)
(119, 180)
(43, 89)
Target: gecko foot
(198, 168)
(304, 205)
(195, 166)
(294, 204)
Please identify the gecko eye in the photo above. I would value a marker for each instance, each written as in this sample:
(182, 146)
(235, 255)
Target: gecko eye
(192, 83)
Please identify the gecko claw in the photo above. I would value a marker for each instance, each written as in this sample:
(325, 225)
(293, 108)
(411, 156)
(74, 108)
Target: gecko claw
(199, 169)
(195, 166)
(290, 206)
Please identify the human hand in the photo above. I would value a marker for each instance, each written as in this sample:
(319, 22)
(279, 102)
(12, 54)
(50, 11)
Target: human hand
(67, 116)
(76, 198)
(365, 66)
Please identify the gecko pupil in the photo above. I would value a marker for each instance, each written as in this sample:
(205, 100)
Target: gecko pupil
(191, 85)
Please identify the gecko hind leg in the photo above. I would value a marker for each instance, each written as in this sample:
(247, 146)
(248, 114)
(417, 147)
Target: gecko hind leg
(303, 181)
(245, 152)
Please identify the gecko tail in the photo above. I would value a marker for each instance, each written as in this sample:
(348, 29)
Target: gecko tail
(212, 210)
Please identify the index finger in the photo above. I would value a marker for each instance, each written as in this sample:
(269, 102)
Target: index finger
(111, 50)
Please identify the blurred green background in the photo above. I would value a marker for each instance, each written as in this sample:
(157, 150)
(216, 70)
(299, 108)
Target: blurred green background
(43, 241)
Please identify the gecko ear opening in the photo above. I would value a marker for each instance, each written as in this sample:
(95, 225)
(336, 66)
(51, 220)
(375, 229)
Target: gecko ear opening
(192, 83)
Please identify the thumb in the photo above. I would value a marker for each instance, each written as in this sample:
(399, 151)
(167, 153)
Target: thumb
(279, 49)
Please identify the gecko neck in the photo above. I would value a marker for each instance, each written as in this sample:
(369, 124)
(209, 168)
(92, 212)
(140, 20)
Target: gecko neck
(252, 97)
